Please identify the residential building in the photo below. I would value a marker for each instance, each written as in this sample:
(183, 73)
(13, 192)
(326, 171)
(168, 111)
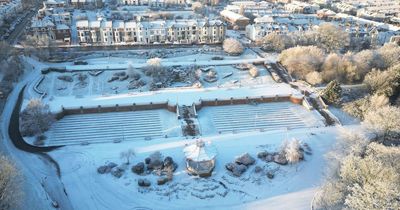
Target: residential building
(150, 32)
(235, 19)
(280, 25)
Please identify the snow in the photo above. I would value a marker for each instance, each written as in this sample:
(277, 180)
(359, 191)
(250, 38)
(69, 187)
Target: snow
(200, 151)
(260, 118)
(113, 127)
(294, 183)
(172, 96)
(96, 139)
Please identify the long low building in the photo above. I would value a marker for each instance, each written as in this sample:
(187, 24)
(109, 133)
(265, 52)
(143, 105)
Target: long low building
(109, 32)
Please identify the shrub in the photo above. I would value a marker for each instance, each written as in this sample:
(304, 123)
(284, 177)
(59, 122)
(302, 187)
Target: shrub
(253, 71)
(36, 118)
(233, 46)
(314, 78)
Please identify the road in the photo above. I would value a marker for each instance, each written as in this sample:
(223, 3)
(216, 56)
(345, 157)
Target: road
(12, 39)
(41, 184)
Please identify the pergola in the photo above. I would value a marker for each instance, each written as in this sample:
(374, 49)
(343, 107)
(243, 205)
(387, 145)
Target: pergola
(200, 158)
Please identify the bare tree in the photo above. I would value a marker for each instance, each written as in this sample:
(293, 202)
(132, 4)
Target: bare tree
(127, 155)
(10, 185)
(233, 46)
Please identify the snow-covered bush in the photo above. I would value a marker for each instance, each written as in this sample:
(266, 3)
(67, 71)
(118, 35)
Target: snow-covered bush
(253, 71)
(300, 61)
(314, 78)
(384, 82)
(10, 185)
(198, 7)
(233, 46)
(384, 121)
(292, 151)
(36, 118)
(390, 54)
(277, 42)
(363, 179)
(361, 106)
(133, 73)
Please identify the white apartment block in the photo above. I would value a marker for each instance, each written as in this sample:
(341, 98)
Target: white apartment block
(280, 25)
(153, 3)
(150, 32)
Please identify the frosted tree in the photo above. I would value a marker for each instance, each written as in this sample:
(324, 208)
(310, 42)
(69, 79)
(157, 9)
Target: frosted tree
(331, 38)
(314, 78)
(127, 155)
(331, 68)
(383, 122)
(198, 7)
(277, 42)
(361, 106)
(153, 67)
(383, 82)
(390, 54)
(330, 196)
(10, 185)
(132, 73)
(293, 151)
(302, 60)
(233, 46)
(253, 71)
(36, 118)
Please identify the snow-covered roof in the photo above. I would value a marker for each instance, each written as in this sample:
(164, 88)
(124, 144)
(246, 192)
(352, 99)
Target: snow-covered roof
(82, 23)
(200, 151)
(233, 15)
(62, 27)
(42, 23)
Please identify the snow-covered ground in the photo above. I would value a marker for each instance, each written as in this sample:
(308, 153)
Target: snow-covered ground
(113, 127)
(233, 129)
(261, 117)
(292, 187)
(99, 85)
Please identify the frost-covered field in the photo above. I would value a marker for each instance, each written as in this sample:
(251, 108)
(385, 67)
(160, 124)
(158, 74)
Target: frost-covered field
(99, 85)
(260, 117)
(93, 140)
(113, 127)
(291, 188)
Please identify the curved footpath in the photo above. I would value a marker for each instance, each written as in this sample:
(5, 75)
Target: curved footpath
(15, 134)
(42, 183)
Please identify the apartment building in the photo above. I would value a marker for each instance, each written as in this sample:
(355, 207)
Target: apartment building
(109, 32)
(279, 24)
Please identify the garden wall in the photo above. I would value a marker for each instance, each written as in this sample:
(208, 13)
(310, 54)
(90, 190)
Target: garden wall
(172, 107)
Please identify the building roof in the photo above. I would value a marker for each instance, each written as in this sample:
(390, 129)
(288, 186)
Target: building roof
(200, 151)
(232, 15)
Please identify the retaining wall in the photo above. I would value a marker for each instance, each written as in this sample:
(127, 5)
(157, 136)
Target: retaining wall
(172, 107)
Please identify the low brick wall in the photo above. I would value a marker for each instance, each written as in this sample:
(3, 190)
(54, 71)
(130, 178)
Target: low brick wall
(172, 108)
